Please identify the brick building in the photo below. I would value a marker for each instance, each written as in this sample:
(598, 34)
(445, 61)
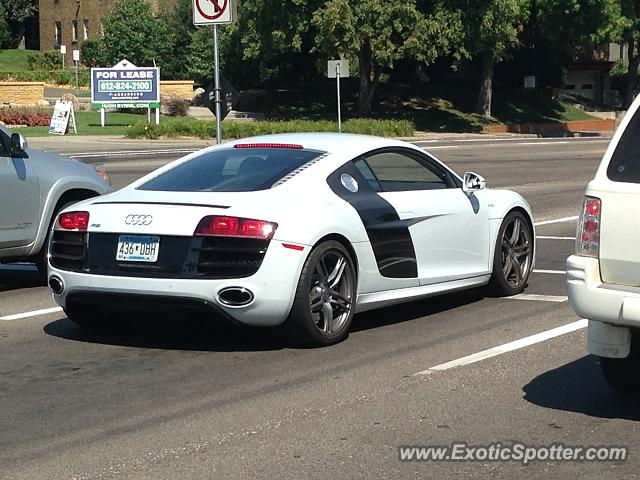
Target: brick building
(70, 22)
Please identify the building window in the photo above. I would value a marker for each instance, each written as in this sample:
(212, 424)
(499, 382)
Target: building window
(587, 86)
(570, 86)
(85, 29)
(58, 33)
(74, 30)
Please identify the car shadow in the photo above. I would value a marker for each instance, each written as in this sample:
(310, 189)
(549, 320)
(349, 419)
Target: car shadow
(405, 312)
(200, 334)
(19, 276)
(580, 387)
(194, 334)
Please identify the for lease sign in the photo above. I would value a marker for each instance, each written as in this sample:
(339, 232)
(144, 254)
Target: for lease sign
(124, 85)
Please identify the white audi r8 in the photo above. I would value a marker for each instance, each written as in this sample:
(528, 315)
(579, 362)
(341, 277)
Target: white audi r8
(302, 230)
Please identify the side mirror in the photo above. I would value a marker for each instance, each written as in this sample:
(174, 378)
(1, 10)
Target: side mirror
(18, 144)
(473, 182)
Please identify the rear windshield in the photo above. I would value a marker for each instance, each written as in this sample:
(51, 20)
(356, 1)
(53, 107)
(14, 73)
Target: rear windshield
(625, 162)
(231, 170)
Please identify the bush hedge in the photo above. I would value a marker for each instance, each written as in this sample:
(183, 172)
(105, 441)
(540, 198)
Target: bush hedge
(23, 117)
(59, 77)
(190, 127)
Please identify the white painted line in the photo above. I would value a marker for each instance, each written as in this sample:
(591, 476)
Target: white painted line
(19, 266)
(547, 237)
(553, 272)
(443, 146)
(508, 347)
(539, 298)
(556, 220)
(543, 143)
(35, 313)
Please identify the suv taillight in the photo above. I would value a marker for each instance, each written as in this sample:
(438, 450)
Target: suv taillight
(588, 234)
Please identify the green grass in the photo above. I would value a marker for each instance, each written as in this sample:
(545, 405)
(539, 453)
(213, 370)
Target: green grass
(89, 124)
(14, 60)
(189, 127)
(429, 106)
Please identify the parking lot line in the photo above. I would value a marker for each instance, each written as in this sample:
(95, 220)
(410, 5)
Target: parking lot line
(548, 237)
(539, 298)
(508, 347)
(552, 272)
(556, 220)
(34, 313)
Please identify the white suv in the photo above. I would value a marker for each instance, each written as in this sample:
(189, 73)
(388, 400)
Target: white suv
(603, 277)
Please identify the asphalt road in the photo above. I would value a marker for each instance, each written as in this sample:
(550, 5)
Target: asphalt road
(195, 401)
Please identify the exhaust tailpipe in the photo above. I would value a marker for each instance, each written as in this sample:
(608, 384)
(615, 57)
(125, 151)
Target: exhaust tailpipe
(235, 296)
(56, 285)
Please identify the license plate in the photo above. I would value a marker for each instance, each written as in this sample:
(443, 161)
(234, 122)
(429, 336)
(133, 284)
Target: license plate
(138, 248)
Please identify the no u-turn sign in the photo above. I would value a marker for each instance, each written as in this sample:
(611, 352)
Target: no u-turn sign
(208, 12)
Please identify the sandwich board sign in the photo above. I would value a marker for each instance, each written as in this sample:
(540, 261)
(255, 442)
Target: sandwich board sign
(209, 12)
(63, 118)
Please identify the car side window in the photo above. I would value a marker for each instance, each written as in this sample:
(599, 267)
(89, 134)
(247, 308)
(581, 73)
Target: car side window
(399, 171)
(368, 175)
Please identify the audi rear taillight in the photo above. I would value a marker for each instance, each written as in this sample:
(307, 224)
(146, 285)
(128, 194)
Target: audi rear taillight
(76, 221)
(588, 234)
(225, 226)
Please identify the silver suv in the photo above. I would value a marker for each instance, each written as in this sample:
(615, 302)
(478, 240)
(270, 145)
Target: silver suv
(34, 186)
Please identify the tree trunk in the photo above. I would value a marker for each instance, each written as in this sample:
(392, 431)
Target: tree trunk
(486, 87)
(367, 85)
(632, 75)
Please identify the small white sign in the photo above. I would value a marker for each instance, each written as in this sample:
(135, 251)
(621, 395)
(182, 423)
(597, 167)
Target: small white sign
(63, 117)
(209, 12)
(76, 55)
(63, 49)
(338, 68)
(530, 81)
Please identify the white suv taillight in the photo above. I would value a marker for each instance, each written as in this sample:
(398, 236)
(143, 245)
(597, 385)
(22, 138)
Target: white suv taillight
(588, 234)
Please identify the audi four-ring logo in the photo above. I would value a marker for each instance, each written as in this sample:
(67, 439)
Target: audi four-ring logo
(138, 219)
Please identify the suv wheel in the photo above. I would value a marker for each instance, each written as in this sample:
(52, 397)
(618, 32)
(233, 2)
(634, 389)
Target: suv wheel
(623, 374)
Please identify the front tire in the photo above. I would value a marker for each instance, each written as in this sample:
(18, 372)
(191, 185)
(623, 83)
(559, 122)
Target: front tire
(513, 256)
(623, 374)
(324, 302)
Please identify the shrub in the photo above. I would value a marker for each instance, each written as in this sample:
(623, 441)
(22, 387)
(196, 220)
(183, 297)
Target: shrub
(48, 60)
(175, 106)
(23, 117)
(190, 127)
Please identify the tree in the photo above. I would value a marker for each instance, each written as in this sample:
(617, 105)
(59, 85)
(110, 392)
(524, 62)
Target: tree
(5, 31)
(378, 33)
(577, 27)
(179, 21)
(131, 31)
(491, 28)
(22, 18)
(631, 38)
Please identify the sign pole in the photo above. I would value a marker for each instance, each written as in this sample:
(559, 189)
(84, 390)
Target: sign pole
(76, 62)
(338, 90)
(216, 67)
(102, 119)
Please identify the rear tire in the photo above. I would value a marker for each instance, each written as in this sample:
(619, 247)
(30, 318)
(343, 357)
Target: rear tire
(513, 256)
(623, 374)
(324, 302)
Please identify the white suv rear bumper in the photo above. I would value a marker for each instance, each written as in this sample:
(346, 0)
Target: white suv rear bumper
(611, 309)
